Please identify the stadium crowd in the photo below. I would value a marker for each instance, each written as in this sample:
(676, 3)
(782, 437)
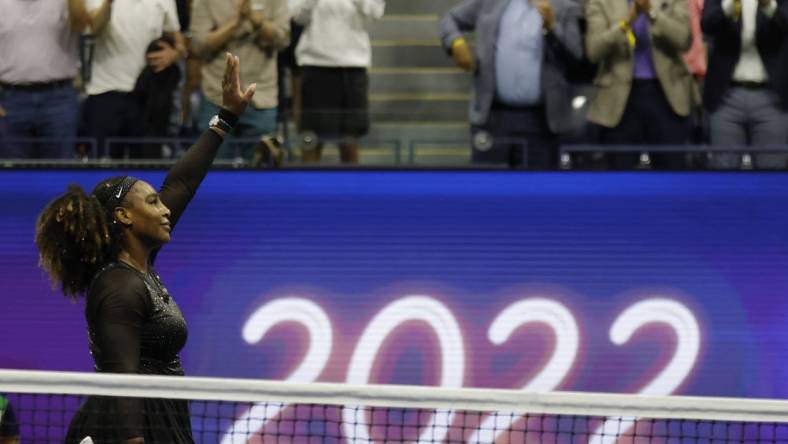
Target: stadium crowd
(665, 73)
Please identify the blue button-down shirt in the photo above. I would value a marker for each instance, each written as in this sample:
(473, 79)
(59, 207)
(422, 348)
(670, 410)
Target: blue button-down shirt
(518, 55)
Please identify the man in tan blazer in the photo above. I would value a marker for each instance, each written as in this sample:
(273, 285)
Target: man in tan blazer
(644, 91)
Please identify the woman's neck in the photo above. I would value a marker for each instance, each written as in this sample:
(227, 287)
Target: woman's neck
(136, 256)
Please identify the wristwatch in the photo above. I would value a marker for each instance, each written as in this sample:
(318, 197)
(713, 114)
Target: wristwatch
(218, 122)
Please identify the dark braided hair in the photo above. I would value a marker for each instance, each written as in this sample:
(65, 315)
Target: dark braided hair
(77, 234)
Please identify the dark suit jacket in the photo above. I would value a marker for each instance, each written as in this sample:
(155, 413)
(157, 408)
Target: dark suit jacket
(771, 38)
(562, 51)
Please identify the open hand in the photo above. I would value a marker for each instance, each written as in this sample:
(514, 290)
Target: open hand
(548, 15)
(233, 99)
(643, 6)
(163, 58)
(245, 9)
(463, 56)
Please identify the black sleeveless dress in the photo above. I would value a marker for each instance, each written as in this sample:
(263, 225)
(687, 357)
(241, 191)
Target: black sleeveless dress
(135, 326)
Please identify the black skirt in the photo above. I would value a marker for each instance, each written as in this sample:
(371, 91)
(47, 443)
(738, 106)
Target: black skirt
(104, 421)
(334, 101)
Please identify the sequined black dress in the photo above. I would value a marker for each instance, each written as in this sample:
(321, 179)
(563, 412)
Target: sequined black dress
(135, 326)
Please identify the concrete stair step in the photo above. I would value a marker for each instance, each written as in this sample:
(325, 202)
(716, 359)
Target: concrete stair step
(419, 6)
(383, 157)
(406, 27)
(409, 54)
(418, 107)
(427, 143)
(441, 155)
(447, 131)
(419, 80)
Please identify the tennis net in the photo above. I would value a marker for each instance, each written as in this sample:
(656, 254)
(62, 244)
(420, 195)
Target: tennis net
(230, 411)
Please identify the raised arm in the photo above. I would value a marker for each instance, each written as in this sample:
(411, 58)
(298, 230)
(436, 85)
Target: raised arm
(671, 26)
(370, 9)
(301, 10)
(564, 36)
(273, 28)
(185, 176)
(772, 23)
(78, 16)
(604, 35)
(459, 19)
(99, 17)
(719, 19)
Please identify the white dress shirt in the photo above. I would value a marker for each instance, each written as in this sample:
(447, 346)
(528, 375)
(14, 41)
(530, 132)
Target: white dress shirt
(750, 67)
(119, 55)
(36, 42)
(335, 33)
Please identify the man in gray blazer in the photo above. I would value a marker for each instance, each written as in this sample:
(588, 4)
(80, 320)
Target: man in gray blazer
(644, 90)
(521, 96)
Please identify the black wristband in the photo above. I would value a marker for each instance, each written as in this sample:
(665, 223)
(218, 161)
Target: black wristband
(228, 117)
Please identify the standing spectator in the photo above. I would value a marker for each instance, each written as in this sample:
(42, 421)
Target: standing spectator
(192, 69)
(746, 89)
(334, 53)
(644, 91)
(123, 29)
(255, 30)
(156, 99)
(695, 57)
(524, 49)
(289, 92)
(38, 62)
(9, 426)
(190, 95)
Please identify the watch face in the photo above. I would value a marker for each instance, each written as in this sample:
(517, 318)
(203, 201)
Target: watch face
(214, 121)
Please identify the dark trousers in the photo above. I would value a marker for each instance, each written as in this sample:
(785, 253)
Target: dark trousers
(648, 120)
(749, 115)
(113, 114)
(516, 136)
(46, 113)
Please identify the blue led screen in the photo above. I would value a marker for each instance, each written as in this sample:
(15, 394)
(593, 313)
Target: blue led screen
(619, 282)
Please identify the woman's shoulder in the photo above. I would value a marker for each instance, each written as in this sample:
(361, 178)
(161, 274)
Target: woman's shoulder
(117, 284)
(112, 272)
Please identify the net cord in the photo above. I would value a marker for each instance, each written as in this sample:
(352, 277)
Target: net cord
(396, 396)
